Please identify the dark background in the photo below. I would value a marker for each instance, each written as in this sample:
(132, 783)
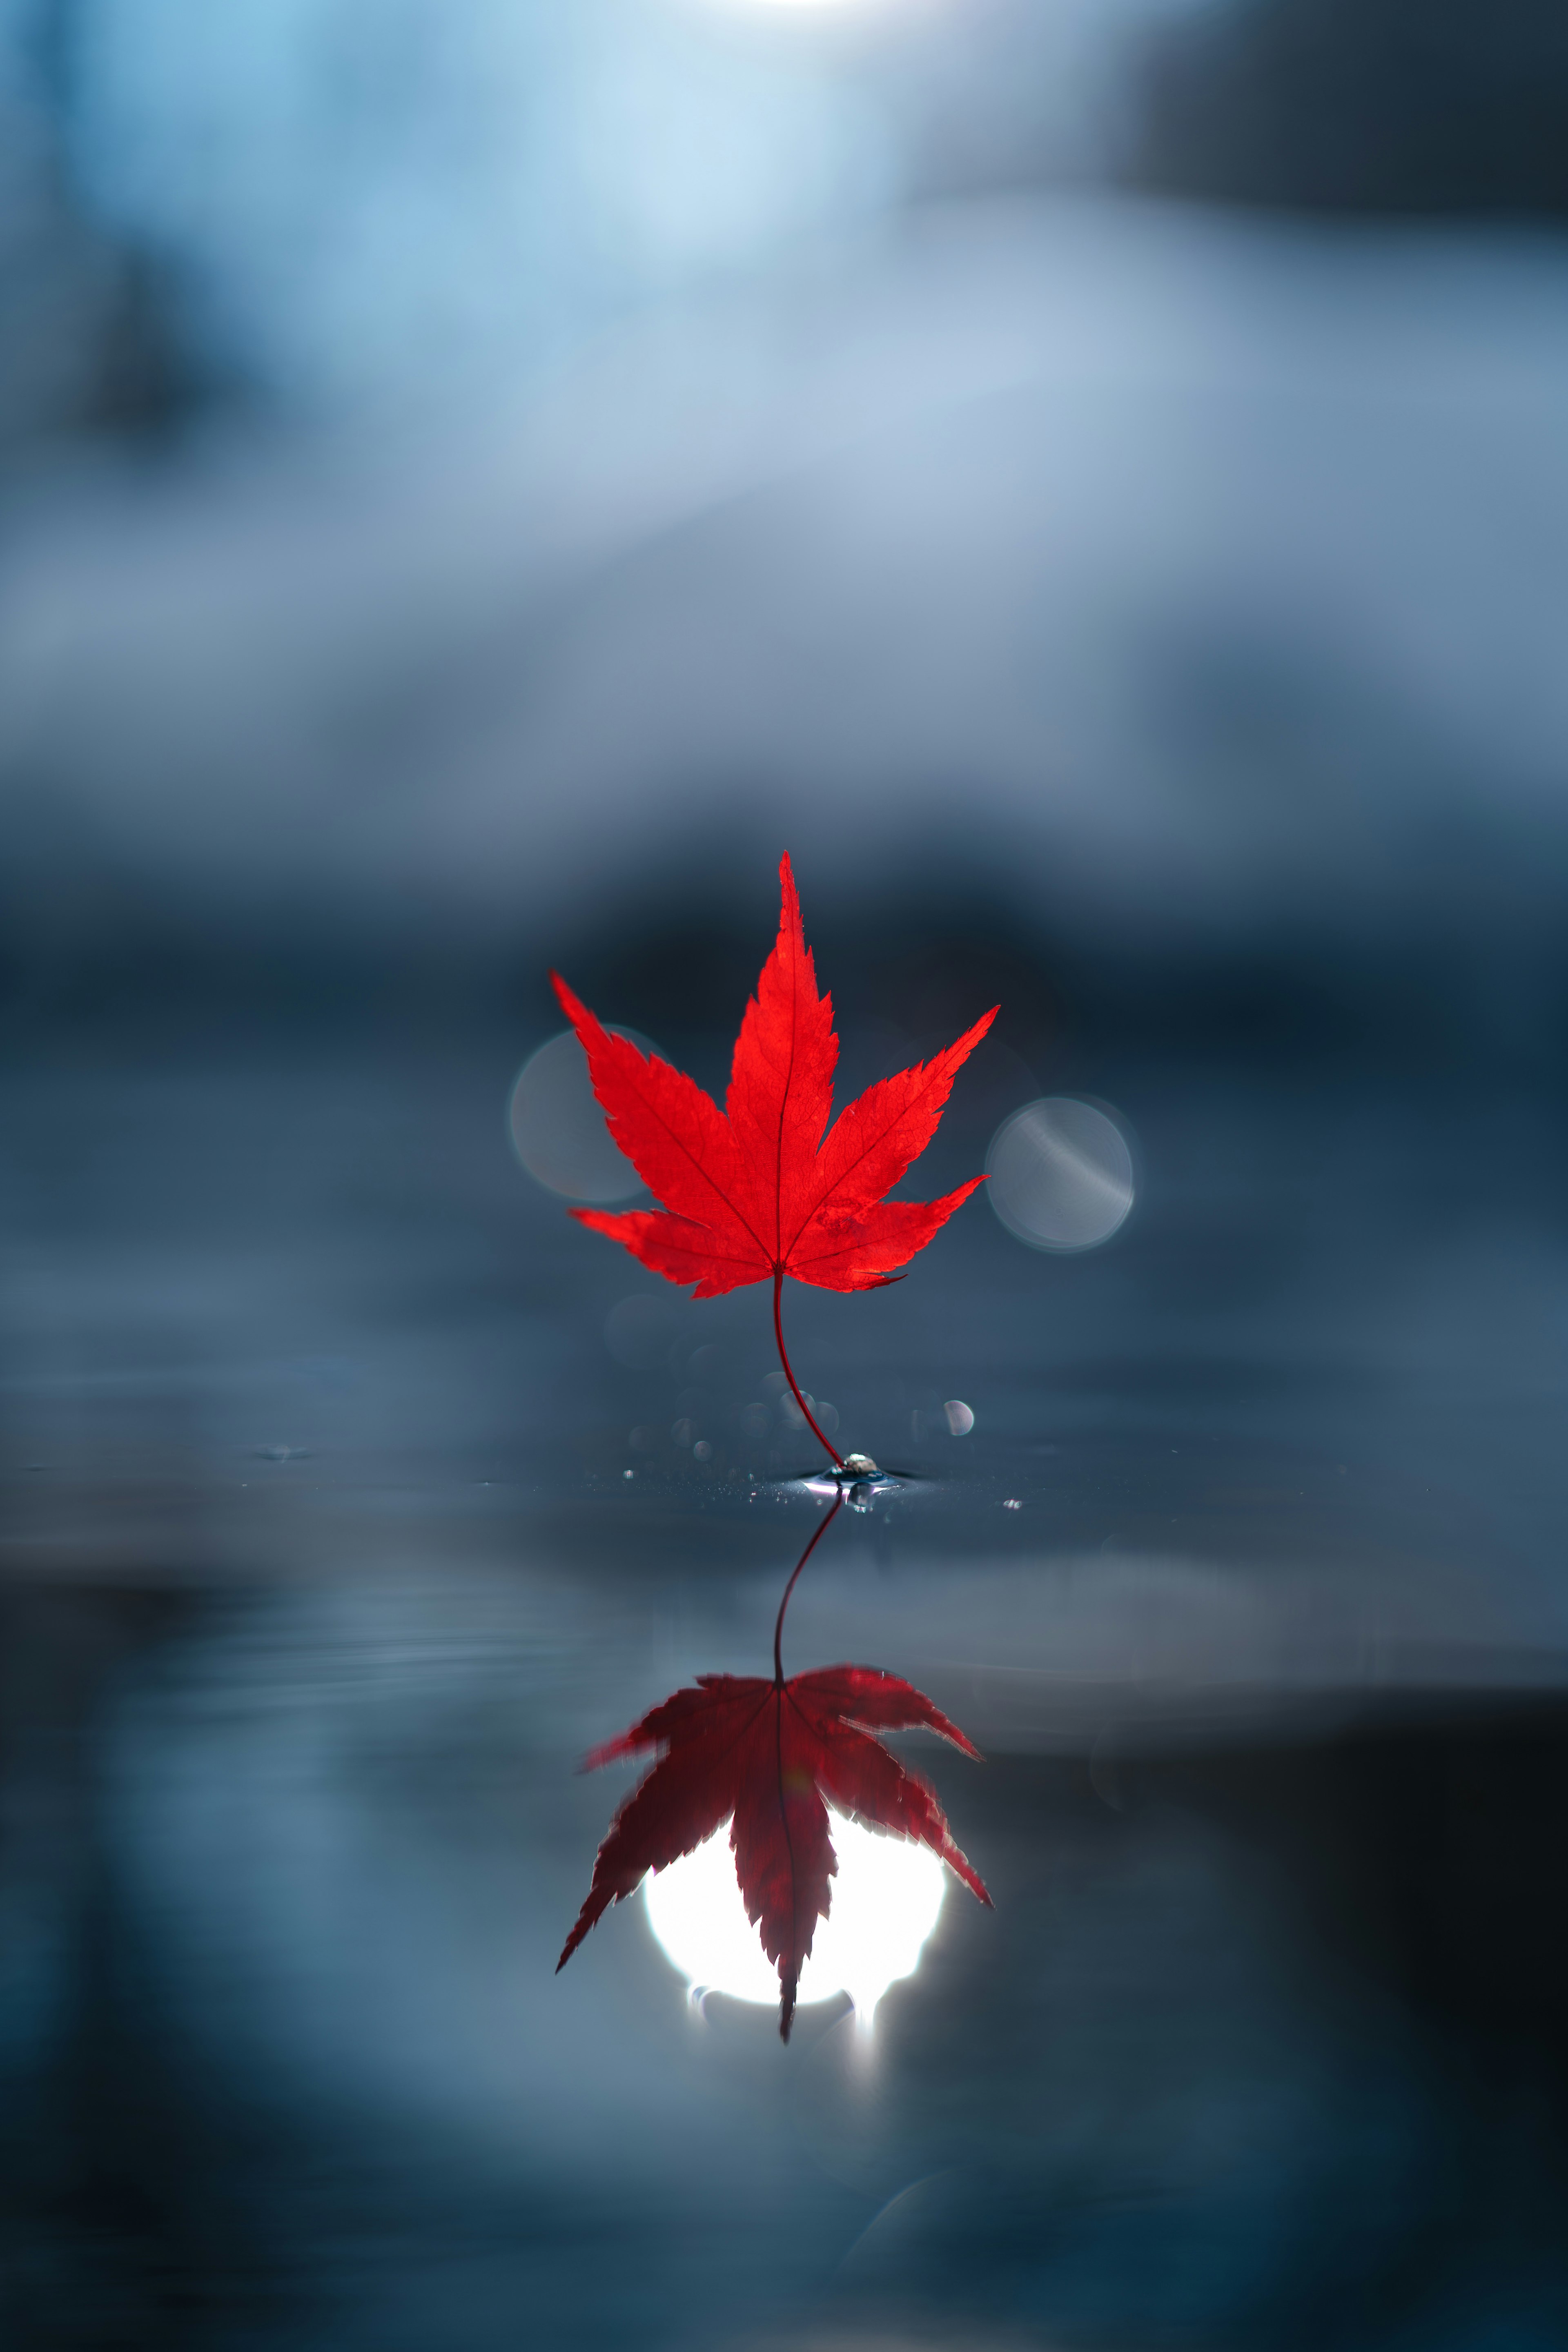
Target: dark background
(477, 483)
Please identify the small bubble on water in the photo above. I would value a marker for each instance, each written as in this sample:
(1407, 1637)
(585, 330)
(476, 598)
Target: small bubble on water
(1012, 1504)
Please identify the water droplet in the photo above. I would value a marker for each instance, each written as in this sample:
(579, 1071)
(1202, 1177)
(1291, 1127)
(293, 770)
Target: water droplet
(960, 1417)
(1012, 1504)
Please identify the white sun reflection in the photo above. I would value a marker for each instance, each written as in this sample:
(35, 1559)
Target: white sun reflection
(784, 5)
(886, 1899)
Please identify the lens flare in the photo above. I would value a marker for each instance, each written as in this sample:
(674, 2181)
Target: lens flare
(886, 1900)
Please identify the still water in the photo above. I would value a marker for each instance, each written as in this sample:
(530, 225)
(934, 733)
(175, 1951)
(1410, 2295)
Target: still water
(322, 1567)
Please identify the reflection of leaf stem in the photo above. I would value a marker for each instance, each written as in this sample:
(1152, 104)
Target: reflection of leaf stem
(832, 1450)
(817, 1534)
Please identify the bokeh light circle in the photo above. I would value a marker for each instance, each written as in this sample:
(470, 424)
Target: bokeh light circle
(1061, 1174)
(558, 1130)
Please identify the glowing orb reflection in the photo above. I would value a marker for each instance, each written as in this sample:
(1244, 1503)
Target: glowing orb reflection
(886, 1899)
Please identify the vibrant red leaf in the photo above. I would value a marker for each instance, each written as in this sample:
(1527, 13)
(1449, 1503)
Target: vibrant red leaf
(759, 1190)
(764, 1755)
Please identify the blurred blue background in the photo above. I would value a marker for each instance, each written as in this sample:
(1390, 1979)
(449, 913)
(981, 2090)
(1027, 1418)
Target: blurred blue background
(477, 481)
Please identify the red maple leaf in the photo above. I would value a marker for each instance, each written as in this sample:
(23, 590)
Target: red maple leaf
(765, 1187)
(765, 1756)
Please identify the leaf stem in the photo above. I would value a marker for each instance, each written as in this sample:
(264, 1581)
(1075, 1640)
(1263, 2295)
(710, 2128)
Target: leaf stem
(816, 1534)
(832, 1450)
